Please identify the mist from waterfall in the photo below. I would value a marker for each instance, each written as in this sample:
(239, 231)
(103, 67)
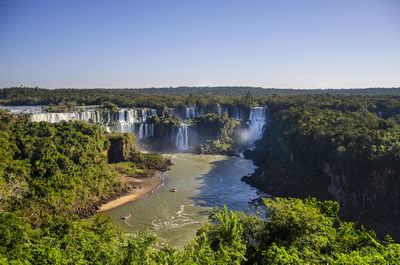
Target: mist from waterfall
(255, 125)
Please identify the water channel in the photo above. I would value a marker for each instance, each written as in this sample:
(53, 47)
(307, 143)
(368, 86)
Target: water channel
(202, 182)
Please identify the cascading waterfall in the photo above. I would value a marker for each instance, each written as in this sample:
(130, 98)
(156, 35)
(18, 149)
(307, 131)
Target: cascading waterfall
(237, 114)
(92, 116)
(221, 110)
(125, 120)
(257, 120)
(182, 140)
(191, 112)
(136, 120)
(141, 129)
(146, 130)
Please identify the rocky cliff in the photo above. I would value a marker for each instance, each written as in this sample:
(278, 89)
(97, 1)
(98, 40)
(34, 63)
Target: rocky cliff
(369, 193)
(121, 145)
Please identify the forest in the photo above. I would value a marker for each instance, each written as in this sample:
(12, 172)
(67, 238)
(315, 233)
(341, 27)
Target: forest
(297, 232)
(335, 150)
(172, 97)
(343, 150)
(49, 169)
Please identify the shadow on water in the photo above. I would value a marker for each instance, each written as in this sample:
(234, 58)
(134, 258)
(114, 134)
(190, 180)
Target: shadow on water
(202, 182)
(222, 185)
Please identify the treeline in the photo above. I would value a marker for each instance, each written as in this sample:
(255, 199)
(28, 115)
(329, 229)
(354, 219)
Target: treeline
(296, 232)
(171, 97)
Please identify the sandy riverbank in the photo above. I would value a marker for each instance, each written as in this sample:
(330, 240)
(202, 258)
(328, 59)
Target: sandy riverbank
(141, 188)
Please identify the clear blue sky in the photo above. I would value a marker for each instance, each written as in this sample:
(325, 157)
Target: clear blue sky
(148, 43)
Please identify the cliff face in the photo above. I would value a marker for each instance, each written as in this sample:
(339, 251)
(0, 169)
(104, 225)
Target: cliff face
(373, 200)
(121, 145)
(368, 194)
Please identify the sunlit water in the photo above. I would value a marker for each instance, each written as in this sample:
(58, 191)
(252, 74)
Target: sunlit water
(202, 182)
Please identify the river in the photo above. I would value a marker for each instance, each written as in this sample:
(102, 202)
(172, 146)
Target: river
(202, 182)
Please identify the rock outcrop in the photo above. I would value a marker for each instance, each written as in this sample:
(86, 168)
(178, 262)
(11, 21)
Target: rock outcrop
(121, 145)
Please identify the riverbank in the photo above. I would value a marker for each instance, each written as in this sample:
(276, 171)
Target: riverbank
(139, 188)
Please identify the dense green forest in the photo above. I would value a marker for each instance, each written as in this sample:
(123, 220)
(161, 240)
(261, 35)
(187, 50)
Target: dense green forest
(333, 147)
(225, 127)
(48, 169)
(172, 97)
(58, 169)
(297, 232)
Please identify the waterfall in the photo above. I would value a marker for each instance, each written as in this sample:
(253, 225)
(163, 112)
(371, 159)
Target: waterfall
(219, 110)
(121, 115)
(182, 141)
(92, 116)
(153, 112)
(257, 120)
(126, 121)
(171, 111)
(145, 131)
(236, 114)
(136, 120)
(191, 112)
(140, 134)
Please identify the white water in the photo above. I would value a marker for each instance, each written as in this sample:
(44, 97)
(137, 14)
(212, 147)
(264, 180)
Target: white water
(126, 120)
(237, 114)
(191, 112)
(87, 116)
(257, 119)
(135, 120)
(255, 125)
(182, 140)
(221, 110)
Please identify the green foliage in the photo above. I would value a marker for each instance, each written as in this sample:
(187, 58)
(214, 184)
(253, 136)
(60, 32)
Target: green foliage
(295, 232)
(167, 122)
(108, 105)
(298, 231)
(333, 148)
(60, 241)
(126, 168)
(148, 161)
(52, 168)
(63, 106)
(225, 128)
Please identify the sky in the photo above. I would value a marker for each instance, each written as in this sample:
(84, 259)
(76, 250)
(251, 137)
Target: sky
(164, 43)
